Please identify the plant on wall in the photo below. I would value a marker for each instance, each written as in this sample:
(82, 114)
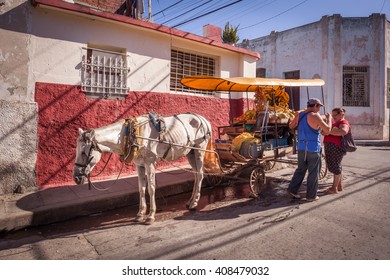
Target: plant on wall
(229, 34)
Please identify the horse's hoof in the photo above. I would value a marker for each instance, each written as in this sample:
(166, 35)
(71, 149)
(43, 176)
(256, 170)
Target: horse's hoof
(140, 218)
(149, 221)
(192, 207)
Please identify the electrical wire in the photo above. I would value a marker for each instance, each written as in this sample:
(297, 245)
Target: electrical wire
(275, 15)
(187, 12)
(205, 14)
(383, 5)
(163, 10)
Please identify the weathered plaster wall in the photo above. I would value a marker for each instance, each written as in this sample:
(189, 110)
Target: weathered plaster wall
(40, 60)
(323, 48)
(14, 19)
(63, 109)
(18, 112)
(362, 44)
(18, 146)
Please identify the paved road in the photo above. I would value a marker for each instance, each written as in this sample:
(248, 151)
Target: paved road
(354, 224)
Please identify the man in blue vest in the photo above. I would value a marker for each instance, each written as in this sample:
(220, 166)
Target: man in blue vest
(310, 124)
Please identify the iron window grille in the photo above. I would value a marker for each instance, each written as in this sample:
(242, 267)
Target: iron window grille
(356, 86)
(188, 64)
(104, 73)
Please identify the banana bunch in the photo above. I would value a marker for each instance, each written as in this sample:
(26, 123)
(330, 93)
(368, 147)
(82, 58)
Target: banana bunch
(248, 115)
(281, 98)
(264, 95)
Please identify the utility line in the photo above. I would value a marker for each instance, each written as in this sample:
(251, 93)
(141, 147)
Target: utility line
(246, 11)
(383, 5)
(213, 11)
(187, 12)
(206, 10)
(163, 10)
(274, 16)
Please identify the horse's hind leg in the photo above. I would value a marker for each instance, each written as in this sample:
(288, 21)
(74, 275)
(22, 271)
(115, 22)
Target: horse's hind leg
(142, 189)
(195, 159)
(151, 176)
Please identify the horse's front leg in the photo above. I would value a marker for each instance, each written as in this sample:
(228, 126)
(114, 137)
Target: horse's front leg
(142, 189)
(151, 177)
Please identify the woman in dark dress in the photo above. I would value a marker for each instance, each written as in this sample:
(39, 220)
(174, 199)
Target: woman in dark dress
(333, 152)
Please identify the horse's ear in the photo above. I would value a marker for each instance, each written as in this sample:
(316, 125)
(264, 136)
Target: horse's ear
(81, 131)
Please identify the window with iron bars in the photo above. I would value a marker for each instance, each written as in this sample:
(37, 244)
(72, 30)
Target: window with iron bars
(356, 86)
(104, 73)
(188, 64)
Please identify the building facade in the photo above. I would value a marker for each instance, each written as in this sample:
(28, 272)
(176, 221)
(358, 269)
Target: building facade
(70, 64)
(350, 54)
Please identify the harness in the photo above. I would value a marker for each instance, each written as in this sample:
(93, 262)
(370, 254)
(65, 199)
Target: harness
(158, 122)
(130, 142)
(206, 135)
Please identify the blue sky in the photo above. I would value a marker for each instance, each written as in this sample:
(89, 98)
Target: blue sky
(257, 18)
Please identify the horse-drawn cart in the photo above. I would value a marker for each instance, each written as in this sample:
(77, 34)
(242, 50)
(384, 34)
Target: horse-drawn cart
(252, 143)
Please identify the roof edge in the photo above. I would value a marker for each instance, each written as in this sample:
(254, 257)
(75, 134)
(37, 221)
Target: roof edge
(142, 24)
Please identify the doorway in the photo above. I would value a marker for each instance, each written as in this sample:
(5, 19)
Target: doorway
(293, 92)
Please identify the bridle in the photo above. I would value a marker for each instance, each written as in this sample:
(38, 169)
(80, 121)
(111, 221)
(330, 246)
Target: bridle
(94, 146)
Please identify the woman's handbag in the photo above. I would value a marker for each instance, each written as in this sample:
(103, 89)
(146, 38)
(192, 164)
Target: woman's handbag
(347, 142)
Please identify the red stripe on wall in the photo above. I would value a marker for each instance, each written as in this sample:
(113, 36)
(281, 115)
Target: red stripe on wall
(64, 108)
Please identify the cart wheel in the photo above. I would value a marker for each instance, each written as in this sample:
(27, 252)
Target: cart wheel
(268, 165)
(324, 168)
(257, 181)
(214, 180)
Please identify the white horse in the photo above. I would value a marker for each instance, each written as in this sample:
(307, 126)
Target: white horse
(184, 134)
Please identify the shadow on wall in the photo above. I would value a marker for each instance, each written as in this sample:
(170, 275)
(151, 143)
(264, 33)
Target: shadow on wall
(63, 109)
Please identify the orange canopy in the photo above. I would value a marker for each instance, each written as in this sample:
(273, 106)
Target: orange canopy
(243, 84)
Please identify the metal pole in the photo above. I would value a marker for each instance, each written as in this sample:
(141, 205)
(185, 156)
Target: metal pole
(323, 99)
(150, 10)
(307, 92)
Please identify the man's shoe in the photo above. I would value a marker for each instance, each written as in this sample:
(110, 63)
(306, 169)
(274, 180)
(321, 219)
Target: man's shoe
(313, 199)
(293, 195)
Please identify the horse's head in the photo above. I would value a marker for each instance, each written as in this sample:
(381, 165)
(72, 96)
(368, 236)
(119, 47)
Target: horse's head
(88, 155)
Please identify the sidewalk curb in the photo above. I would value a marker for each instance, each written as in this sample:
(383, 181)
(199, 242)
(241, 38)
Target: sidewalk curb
(374, 143)
(47, 214)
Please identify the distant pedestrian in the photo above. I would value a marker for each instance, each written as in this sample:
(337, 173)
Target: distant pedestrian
(333, 152)
(309, 123)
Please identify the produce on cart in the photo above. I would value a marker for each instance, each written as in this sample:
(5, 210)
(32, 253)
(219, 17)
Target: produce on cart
(258, 138)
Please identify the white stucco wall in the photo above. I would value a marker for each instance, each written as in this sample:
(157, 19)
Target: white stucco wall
(323, 48)
(57, 51)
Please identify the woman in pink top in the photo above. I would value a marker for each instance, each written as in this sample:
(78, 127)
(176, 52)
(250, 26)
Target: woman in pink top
(333, 152)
